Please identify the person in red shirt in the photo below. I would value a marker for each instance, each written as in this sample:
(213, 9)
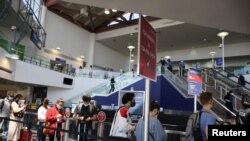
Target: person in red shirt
(55, 116)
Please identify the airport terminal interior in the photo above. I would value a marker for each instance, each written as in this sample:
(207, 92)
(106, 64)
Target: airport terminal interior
(64, 54)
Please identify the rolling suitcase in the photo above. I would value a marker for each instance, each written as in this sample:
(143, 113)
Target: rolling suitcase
(23, 135)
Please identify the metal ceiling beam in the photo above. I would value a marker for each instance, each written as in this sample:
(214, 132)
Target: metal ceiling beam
(229, 15)
(90, 18)
(104, 24)
(67, 17)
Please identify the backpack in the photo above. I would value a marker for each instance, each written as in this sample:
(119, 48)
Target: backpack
(1, 104)
(79, 107)
(243, 117)
(193, 131)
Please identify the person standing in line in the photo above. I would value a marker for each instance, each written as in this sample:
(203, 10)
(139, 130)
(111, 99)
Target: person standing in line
(55, 116)
(156, 131)
(207, 118)
(112, 84)
(5, 113)
(86, 113)
(15, 127)
(122, 127)
(41, 116)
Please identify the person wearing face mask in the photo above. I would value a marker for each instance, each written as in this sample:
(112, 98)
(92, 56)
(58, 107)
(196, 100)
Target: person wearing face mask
(41, 115)
(15, 127)
(155, 129)
(121, 126)
(5, 113)
(85, 113)
(55, 116)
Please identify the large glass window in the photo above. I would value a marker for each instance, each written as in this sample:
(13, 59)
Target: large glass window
(36, 8)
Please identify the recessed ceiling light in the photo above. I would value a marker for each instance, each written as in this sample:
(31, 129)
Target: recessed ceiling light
(13, 27)
(212, 52)
(13, 56)
(82, 56)
(114, 10)
(106, 11)
(58, 48)
(167, 57)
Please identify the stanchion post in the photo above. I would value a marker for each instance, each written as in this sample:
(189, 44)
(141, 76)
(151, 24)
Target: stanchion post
(100, 130)
(67, 128)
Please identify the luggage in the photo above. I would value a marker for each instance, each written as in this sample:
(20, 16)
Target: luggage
(23, 135)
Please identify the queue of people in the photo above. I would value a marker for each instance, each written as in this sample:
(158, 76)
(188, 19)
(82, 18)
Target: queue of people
(122, 127)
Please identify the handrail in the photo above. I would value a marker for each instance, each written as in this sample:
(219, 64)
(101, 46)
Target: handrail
(228, 79)
(233, 75)
(119, 80)
(224, 107)
(175, 132)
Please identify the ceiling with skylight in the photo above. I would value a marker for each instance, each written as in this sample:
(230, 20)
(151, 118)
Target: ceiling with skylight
(95, 19)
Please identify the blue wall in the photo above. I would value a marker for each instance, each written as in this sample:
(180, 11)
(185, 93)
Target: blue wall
(161, 91)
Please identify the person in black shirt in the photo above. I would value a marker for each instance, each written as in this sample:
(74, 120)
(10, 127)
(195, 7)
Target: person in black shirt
(112, 84)
(163, 63)
(85, 113)
(229, 102)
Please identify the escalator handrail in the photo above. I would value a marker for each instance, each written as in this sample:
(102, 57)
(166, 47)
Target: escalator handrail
(231, 74)
(229, 79)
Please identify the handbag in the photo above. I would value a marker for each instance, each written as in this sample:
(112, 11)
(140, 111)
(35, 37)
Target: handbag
(19, 114)
(45, 129)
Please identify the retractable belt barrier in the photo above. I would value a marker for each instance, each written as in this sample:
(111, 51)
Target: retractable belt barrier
(57, 129)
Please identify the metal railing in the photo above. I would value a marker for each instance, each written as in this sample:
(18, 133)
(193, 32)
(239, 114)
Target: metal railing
(71, 132)
(121, 82)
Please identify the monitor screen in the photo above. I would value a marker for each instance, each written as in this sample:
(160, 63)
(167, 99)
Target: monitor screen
(73, 107)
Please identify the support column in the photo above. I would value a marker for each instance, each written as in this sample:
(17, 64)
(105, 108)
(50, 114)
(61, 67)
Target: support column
(91, 52)
(43, 15)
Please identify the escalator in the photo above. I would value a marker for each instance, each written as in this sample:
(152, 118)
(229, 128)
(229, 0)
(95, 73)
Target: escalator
(102, 90)
(219, 110)
(222, 82)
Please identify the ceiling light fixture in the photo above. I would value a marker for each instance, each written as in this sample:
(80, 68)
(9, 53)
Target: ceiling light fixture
(82, 57)
(114, 10)
(130, 47)
(12, 56)
(106, 11)
(167, 57)
(58, 48)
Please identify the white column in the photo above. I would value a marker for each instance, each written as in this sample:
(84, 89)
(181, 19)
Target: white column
(223, 56)
(91, 52)
(129, 65)
(43, 15)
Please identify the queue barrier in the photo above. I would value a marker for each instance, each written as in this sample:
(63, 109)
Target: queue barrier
(71, 133)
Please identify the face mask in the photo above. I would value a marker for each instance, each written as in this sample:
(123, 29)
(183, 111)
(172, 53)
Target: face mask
(46, 102)
(10, 98)
(85, 104)
(133, 103)
(156, 115)
(59, 106)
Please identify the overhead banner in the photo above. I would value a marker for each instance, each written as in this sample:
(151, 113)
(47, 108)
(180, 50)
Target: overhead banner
(146, 50)
(194, 82)
(218, 62)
